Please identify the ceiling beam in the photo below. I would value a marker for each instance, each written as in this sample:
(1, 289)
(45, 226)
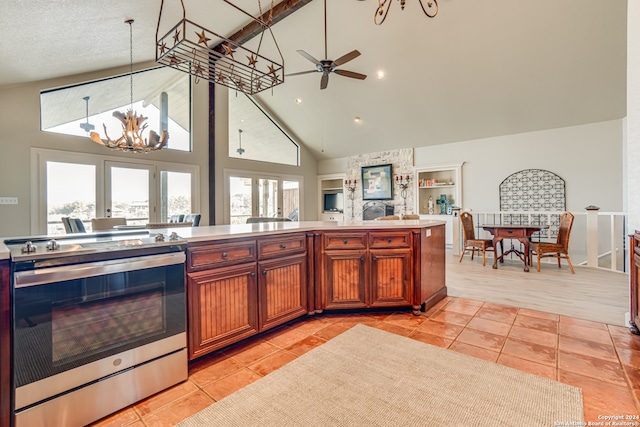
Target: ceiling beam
(254, 28)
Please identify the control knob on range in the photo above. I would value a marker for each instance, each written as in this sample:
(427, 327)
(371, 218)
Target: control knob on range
(53, 245)
(174, 236)
(28, 247)
(159, 237)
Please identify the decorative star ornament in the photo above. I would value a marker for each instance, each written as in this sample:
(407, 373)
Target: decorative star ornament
(220, 78)
(228, 50)
(272, 70)
(202, 38)
(176, 36)
(252, 60)
(198, 69)
(173, 59)
(163, 48)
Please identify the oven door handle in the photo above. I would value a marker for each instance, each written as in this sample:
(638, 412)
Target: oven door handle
(42, 276)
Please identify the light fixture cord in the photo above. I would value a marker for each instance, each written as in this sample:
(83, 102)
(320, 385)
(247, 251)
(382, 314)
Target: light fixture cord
(130, 22)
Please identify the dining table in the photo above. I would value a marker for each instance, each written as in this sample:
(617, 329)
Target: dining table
(520, 232)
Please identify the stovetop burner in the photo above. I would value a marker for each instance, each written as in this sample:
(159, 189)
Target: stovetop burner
(47, 247)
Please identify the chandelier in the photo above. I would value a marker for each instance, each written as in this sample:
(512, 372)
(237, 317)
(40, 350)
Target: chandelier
(186, 47)
(384, 5)
(132, 124)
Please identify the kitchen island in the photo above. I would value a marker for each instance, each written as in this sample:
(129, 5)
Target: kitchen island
(245, 279)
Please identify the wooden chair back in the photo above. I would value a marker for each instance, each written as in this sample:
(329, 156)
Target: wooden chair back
(564, 232)
(107, 223)
(467, 226)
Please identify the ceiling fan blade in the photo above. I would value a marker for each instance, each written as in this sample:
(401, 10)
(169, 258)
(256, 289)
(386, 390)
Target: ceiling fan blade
(346, 58)
(324, 81)
(351, 74)
(300, 73)
(309, 57)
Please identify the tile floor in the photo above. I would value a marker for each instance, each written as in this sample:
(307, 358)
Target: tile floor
(601, 359)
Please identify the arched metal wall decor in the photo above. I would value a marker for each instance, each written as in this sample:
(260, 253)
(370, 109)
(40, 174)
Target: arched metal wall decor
(533, 190)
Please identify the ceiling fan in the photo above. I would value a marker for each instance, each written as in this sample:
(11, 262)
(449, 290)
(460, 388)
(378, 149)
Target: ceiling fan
(328, 66)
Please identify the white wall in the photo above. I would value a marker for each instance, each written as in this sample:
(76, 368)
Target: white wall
(633, 115)
(307, 169)
(20, 130)
(588, 158)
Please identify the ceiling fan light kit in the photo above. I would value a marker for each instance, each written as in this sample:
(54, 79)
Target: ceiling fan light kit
(185, 47)
(328, 66)
(431, 9)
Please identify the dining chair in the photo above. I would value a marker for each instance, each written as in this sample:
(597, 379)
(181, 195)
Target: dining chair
(192, 218)
(100, 224)
(470, 242)
(75, 225)
(177, 218)
(558, 249)
(66, 221)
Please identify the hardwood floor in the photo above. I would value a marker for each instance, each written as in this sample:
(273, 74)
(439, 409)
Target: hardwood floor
(590, 294)
(532, 321)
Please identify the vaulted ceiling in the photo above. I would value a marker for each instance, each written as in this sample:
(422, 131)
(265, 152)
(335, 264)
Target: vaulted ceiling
(478, 69)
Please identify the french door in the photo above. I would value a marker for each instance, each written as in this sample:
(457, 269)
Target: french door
(261, 195)
(129, 192)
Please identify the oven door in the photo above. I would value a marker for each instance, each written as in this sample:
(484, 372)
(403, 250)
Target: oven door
(76, 324)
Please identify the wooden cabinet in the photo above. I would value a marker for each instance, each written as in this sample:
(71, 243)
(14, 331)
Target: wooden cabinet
(237, 289)
(366, 269)
(222, 307)
(282, 290)
(634, 277)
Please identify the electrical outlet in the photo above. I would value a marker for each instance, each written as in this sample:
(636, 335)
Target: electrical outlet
(8, 200)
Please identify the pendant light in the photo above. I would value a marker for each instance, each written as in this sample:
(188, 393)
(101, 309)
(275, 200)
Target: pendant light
(133, 125)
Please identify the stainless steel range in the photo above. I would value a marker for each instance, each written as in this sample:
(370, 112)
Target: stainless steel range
(98, 323)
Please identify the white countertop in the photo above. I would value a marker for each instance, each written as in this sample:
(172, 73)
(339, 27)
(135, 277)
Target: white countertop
(219, 232)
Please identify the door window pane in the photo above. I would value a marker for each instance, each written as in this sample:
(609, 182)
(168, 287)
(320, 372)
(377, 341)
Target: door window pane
(71, 192)
(291, 200)
(239, 199)
(268, 198)
(175, 190)
(130, 195)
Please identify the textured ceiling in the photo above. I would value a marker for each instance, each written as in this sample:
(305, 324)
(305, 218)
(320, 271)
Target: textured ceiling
(478, 69)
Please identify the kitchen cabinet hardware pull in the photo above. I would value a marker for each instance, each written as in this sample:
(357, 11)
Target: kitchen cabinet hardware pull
(224, 255)
(389, 240)
(253, 274)
(375, 259)
(283, 246)
(345, 241)
(362, 259)
(264, 272)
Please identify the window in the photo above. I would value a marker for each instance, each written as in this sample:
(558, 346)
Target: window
(87, 186)
(254, 135)
(71, 192)
(163, 95)
(261, 195)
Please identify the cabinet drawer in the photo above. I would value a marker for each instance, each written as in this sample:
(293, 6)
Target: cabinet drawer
(281, 246)
(220, 255)
(390, 239)
(345, 240)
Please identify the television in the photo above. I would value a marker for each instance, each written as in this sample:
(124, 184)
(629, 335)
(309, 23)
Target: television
(333, 202)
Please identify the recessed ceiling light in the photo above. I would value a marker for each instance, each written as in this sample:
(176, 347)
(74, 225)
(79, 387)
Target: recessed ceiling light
(357, 119)
(380, 74)
(298, 101)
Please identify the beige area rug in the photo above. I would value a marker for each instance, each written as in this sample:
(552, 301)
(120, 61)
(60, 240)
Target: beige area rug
(369, 377)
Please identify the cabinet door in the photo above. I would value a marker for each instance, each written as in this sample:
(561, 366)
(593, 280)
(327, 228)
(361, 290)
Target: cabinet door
(222, 307)
(345, 278)
(282, 290)
(390, 277)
